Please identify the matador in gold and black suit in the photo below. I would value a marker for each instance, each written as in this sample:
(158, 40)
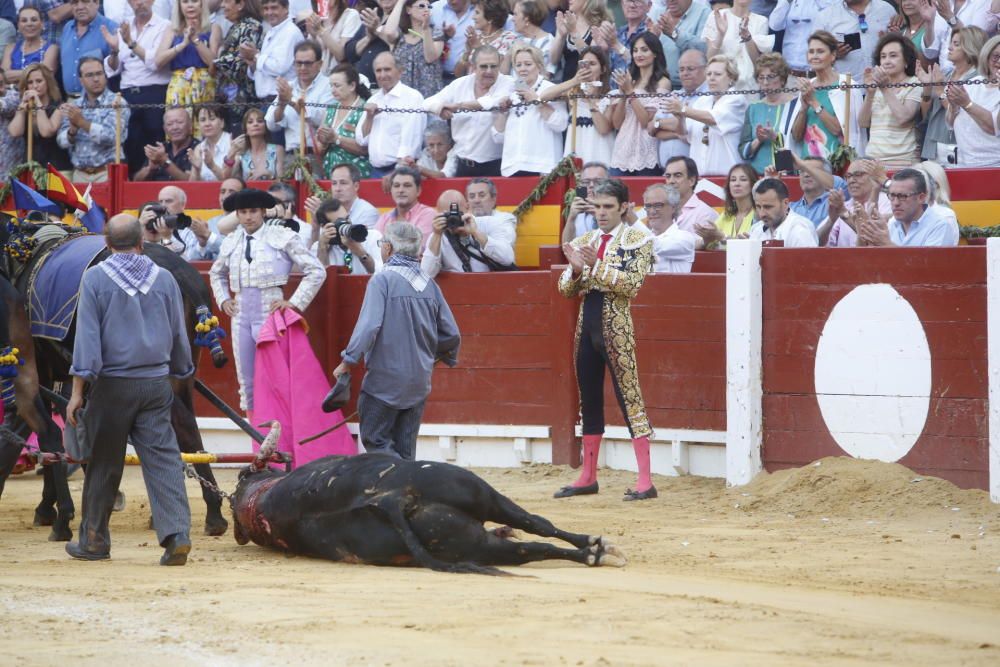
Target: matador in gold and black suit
(605, 338)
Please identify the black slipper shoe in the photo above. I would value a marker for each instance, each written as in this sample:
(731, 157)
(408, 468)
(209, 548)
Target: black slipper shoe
(640, 495)
(568, 491)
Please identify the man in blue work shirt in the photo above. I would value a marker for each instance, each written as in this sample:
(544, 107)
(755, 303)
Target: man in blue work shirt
(81, 36)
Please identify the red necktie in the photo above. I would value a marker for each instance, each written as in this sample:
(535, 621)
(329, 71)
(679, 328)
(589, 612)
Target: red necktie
(604, 244)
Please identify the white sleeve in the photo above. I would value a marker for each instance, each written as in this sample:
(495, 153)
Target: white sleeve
(676, 247)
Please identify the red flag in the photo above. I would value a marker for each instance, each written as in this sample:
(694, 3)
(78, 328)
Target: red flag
(59, 189)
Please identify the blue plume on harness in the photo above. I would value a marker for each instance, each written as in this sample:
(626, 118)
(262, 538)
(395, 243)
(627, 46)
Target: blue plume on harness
(208, 333)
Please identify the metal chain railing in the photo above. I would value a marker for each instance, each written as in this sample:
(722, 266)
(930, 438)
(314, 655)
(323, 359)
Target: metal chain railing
(577, 96)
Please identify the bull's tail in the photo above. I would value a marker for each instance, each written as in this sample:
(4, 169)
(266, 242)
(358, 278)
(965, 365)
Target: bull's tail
(393, 505)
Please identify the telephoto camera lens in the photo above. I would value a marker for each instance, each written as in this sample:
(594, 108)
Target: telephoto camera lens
(453, 218)
(348, 230)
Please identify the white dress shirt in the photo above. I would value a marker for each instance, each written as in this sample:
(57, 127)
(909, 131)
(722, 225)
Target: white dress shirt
(138, 72)
(318, 92)
(733, 46)
(795, 230)
(363, 213)
(394, 135)
(673, 250)
(276, 57)
(531, 142)
(723, 149)
(336, 256)
(798, 19)
(471, 132)
(500, 237)
(219, 154)
(840, 21)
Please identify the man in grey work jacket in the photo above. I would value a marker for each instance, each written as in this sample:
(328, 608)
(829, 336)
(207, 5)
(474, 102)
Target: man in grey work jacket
(404, 327)
(130, 341)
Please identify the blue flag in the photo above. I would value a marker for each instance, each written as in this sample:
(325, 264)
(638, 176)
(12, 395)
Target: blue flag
(26, 199)
(93, 219)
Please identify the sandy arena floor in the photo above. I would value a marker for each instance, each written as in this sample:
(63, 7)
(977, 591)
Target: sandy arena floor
(843, 562)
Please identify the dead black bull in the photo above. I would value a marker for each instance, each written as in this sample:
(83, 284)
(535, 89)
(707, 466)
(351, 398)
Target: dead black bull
(381, 510)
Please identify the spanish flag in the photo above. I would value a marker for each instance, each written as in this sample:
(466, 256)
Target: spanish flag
(59, 189)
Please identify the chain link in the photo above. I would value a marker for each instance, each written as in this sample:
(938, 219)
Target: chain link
(214, 488)
(570, 96)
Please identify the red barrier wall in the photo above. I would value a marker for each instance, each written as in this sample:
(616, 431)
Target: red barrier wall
(945, 287)
(515, 365)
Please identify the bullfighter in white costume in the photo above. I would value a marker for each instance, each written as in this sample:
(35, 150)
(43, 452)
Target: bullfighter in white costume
(256, 260)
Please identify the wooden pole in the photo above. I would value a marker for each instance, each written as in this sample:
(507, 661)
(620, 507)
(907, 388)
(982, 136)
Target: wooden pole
(847, 113)
(572, 133)
(118, 128)
(31, 129)
(302, 127)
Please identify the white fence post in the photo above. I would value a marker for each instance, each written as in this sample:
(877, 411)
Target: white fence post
(993, 360)
(744, 389)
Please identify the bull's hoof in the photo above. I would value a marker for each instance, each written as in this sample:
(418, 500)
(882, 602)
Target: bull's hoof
(569, 491)
(119, 502)
(215, 527)
(640, 495)
(44, 517)
(611, 556)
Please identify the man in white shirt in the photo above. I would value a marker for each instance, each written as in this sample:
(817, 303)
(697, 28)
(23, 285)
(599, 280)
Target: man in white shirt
(475, 151)
(362, 257)
(673, 247)
(482, 196)
(682, 173)
(283, 114)
(462, 242)
(390, 137)
(580, 217)
(133, 56)
(276, 55)
(869, 19)
(776, 221)
(452, 18)
(345, 184)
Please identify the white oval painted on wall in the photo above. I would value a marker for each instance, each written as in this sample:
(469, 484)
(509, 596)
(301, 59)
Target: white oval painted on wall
(873, 374)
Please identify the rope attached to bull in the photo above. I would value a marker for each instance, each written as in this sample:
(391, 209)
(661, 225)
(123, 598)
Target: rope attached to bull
(208, 333)
(10, 360)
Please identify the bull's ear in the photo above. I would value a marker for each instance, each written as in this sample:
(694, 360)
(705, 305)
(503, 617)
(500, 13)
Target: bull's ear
(238, 532)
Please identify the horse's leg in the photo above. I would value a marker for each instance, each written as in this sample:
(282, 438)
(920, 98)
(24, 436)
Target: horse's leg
(50, 440)
(10, 450)
(189, 439)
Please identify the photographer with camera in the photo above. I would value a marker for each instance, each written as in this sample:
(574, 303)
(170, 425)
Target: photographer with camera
(283, 214)
(343, 242)
(165, 222)
(461, 242)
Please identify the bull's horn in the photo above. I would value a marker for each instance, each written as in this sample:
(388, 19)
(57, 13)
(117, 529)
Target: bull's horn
(270, 443)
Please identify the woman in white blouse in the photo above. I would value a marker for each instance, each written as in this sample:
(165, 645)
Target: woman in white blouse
(974, 112)
(739, 34)
(333, 31)
(713, 123)
(531, 135)
(207, 156)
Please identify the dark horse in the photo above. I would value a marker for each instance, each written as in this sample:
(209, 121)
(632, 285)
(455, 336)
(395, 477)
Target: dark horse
(47, 362)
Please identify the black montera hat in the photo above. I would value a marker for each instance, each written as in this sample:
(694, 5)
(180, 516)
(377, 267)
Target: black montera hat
(249, 198)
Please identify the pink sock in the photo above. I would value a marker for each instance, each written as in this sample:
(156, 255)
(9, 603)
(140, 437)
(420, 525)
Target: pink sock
(588, 471)
(641, 448)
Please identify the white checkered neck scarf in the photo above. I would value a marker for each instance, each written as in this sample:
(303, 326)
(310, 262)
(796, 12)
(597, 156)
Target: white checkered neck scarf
(409, 268)
(132, 272)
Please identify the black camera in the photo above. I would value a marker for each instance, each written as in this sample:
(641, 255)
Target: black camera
(348, 230)
(171, 220)
(453, 218)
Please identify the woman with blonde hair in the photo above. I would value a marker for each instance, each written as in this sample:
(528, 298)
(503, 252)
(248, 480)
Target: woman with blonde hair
(938, 190)
(39, 91)
(713, 123)
(574, 32)
(189, 47)
(531, 136)
(974, 112)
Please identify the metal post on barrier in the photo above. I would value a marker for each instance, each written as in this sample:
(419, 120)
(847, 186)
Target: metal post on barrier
(31, 130)
(118, 128)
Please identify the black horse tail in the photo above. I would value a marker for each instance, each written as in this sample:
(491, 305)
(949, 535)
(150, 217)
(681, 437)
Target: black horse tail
(197, 300)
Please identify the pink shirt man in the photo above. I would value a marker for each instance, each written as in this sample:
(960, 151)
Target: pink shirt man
(695, 213)
(420, 216)
(842, 236)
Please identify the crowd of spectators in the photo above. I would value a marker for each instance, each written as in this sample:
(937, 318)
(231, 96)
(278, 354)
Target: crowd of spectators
(414, 89)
